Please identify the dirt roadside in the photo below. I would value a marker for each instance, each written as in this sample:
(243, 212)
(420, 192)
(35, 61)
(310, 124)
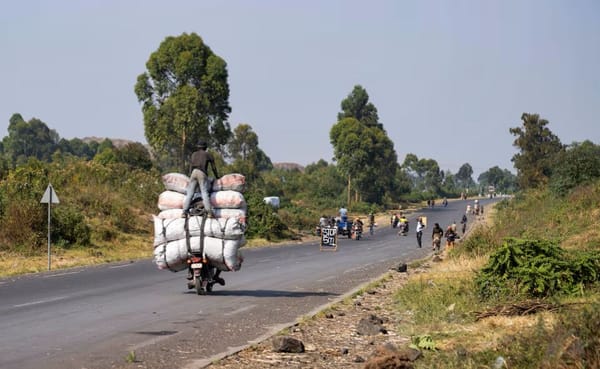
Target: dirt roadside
(332, 337)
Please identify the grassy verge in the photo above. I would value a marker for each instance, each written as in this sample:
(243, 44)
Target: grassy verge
(445, 304)
(128, 248)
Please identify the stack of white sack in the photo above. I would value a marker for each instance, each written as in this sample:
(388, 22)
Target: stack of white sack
(223, 254)
(219, 238)
(226, 196)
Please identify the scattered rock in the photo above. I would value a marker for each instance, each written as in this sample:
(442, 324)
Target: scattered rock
(402, 268)
(370, 326)
(437, 259)
(344, 351)
(287, 344)
(358, 359)
(387, 356)
(329, 316)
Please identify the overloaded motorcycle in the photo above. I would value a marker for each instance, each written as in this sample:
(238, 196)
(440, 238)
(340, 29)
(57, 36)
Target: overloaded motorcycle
(202, 275)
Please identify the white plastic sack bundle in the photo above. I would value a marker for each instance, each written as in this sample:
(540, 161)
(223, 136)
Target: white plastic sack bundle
(223, 254)
(220, 199)
(239, 214)
(227, 199)
(232, 181)
(175, 182)
(170, 200)
(166, 230)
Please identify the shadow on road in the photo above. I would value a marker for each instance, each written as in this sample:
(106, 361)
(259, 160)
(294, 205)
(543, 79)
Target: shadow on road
(268, 293)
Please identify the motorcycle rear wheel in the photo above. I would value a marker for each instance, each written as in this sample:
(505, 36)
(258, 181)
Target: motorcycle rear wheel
(199, 288)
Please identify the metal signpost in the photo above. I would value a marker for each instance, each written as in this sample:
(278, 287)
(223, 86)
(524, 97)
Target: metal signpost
(49, 198)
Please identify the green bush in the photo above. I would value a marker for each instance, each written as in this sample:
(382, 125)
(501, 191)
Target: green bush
(263, 220)
(536, 268)
(69, 227)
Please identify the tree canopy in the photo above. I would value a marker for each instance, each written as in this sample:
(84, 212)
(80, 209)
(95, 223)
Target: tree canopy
(248, 158)
(538, 148)
(357, 106)
(578, 164)
(185, 97)
(29, 139)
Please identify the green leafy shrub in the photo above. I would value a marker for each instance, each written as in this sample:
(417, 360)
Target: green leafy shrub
(536, 268)
(263, 220)
(69, 227)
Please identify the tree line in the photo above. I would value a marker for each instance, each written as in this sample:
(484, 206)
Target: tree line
(184, 97)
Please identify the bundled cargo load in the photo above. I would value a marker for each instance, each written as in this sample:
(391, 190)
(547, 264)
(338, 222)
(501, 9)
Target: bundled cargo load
(223, 254)
(218, 239)
(166, 230)
(229, 182)
(219, 213)
(227, 199)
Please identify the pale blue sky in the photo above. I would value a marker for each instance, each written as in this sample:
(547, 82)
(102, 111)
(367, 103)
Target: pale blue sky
(449, 78)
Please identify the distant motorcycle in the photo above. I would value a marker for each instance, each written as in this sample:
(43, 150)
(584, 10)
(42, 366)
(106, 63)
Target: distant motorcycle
(403, 229)
(357, 231)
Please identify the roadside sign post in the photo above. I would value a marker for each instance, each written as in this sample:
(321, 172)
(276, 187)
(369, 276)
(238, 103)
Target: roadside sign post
(328, 239)
(49, 198)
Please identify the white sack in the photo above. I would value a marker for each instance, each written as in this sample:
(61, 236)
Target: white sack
(232, 181)
(220, 199)
(223, 254)
(166, 230)
(176, 182)
(170, 200)
(239, 214)
(227, 199)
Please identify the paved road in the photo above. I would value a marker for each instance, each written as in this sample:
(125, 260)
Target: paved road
(93, 317)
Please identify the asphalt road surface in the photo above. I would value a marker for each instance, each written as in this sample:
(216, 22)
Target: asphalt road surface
(99, 317)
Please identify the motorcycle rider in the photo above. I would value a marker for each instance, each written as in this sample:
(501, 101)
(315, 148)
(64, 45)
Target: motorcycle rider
(403, 224)
(358, 227)
(371, 222)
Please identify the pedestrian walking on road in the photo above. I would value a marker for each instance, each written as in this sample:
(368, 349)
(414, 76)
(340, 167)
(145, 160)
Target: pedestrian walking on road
(420, 227)
(436, 236)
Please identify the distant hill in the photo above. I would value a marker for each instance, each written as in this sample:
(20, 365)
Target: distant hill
(118, 142)
(288, 166)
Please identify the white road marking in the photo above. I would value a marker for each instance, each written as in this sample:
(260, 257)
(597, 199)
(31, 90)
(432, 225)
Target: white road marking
(41, 301)
(59, 274)
(120, 266)
(240, 310)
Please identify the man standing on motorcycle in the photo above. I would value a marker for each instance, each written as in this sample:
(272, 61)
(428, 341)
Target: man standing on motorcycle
(199, 163)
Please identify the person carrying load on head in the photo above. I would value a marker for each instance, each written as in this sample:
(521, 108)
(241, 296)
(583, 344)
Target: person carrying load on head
(199, 163)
